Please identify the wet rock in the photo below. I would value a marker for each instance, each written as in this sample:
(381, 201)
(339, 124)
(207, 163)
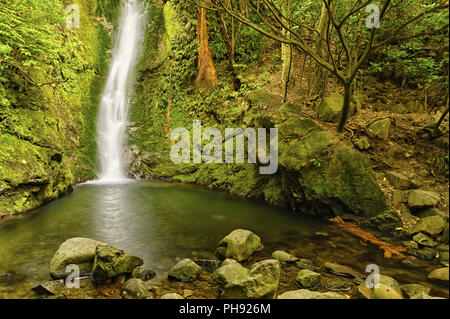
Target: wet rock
(284, 257)
(307, 279)
(432, 225)
(78, 251)
(307, 264)
(209, 265)
(418, 199)
(239, 245)
(412, 262)
(425, 253)
(362, 292)
(110, 262)
(400, 181)
(142, 273)
(423, 295)
(424, 240)
(385, 292)
(48, 287)
(336, 284)
(440, 274)
(134, 289)
(185, 270)
(413, 289)
(392, 283)
(381, 129)
(342, 270)
(172, 295)
(307, 294)
(237, 282)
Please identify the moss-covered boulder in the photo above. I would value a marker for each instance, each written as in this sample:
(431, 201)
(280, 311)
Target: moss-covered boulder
(185, 270)
(75, 251)
(237, 282)
(331, 107)
(239, 245)
(110, 262)
(307, 279)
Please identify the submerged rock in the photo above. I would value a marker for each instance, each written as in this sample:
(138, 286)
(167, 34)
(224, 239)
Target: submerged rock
(440, 274)
(410, 290)
(336, 284)
(307, 279)
(110, 262)
(48, 287)
(78, 251)
(284, 257)
(134, 289)
(307, 264)
(306, 294)
(342, 270)
(237, 282)
(143, 273)
(239, 245)
(185, 270)
(172, 295)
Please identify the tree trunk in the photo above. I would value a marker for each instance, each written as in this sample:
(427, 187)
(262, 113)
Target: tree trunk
(286, 55)
(230, 50)
(207, 74)
(346, 107)
(320, 73)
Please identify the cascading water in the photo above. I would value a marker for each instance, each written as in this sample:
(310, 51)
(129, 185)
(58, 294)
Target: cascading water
(118, 90)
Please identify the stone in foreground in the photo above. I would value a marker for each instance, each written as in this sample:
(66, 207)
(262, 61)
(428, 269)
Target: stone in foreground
(411, 290)
(306, 294)
(134, 289)
(78, 251)
(307, 279)
(110, 262)
(237, 282)
(238, 245)
(172, 295)
(440, 274)
(284, 257)
(432, 225)
(185, 270)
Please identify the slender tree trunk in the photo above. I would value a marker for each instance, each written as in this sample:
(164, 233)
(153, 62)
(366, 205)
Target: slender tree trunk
(320, 73)
(346, 107)
(286, 55)
(230, 50)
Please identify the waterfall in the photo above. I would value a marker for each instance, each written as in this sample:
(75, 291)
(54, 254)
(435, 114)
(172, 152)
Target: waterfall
(113, 116)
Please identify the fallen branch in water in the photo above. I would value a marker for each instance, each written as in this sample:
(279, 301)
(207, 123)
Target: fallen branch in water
(352, 228)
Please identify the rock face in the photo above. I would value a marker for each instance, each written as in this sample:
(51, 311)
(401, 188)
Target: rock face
(134, 289)
(239, 245)
(440, 274)
(78, 251)
(418, 199)
(237, 282)
(284, 257)
(381, 129)
(432, 225)
(185, 270)
(307, 279)
(110, 262)
(306, 294)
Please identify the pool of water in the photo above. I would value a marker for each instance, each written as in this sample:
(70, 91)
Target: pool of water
(161, 221)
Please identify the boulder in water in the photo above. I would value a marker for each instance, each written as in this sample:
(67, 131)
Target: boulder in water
(440, 274)
(237, 282)
(185, 270)
(239, 245)
(134, 289)
(78, 251)
(307, 279)
(284, 257)
(110, 262)
(143, 273)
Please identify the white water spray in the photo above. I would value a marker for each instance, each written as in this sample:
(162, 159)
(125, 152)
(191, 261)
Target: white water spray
(116, 97)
